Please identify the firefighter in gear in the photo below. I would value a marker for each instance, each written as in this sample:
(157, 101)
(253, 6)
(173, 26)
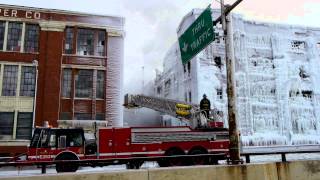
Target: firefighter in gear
(205, 106)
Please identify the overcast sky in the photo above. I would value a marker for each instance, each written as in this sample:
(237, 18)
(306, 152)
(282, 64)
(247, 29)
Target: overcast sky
(151, 24)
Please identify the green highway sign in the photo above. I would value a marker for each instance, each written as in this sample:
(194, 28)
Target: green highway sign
(197, 36)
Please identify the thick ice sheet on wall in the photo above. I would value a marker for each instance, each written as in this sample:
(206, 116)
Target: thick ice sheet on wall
(114, 81)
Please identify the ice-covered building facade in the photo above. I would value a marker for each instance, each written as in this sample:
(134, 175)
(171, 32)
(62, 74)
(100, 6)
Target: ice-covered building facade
(277, 79)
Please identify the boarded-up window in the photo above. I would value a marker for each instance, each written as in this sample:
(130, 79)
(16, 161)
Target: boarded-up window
(24, 126)
(6, 123)
(100, 116)
(65, 116)
(83, 116)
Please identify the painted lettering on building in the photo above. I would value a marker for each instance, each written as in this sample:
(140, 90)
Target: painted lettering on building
(14, 13)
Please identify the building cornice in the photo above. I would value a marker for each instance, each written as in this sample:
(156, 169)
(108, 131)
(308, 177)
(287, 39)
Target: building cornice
(58, 11)
(112, 32)
(52, 26)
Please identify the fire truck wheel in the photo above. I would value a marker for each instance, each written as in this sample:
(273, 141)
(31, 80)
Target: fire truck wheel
(173, 161)
(134, 164)
(198, 160)
(66, 167)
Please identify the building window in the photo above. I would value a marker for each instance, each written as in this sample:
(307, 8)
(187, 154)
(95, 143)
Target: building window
(190, 97)
(65, 116)
(85, 42)
(167, 87)
(24, 126)
(167, 84)
(307, 94)
(31, 38)
(2, 31)
(84, 84)
(66, 82)
(83, 116)
(28, 77)
(68, 47)
(293, 93)
(273, 91)
(217, 37)
(100, 43)
(159, 90)
(186, 97)
(189, 68)
(100, 85)
(217, 62)
(6, 123)
(100, 116)
(10, 76)
(14, 36)
(219, 93)
(298, 45)
(302, 73)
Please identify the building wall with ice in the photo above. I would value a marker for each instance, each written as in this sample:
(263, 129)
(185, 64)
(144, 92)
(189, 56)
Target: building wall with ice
(277, 77)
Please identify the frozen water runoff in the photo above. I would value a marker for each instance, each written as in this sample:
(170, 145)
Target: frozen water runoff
(29, 171)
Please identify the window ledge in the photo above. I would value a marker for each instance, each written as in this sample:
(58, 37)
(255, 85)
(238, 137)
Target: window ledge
(65, 98)
(35, 53)
(14, 142)
(85, 56)
(78, 98)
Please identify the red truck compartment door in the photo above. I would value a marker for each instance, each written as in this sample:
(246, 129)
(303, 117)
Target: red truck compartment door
(106, 143)
(122, 139)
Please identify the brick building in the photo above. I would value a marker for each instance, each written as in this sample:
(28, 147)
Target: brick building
(70, 62)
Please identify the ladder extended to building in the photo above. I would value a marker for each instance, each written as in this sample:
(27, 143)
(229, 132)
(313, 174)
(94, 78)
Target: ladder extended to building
(170, 107)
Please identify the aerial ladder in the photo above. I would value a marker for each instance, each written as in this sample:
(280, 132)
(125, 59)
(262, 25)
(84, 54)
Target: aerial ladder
(182, 110)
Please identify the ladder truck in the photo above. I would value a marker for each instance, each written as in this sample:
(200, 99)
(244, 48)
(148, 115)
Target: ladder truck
(200, 143)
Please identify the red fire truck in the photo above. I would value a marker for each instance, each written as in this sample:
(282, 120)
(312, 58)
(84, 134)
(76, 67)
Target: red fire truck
(169, 146)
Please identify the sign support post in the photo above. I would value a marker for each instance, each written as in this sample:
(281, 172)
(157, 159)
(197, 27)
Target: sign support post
(234, 135)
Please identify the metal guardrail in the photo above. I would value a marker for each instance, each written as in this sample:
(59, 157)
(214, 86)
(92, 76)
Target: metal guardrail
(283, 150)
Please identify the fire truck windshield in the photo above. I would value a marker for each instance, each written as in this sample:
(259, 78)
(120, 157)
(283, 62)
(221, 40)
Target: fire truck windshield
(40, 138)
(47, 137)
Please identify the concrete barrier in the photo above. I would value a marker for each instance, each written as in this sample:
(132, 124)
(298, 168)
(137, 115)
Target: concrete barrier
(118, 175)
(241, 172)
(297, 170)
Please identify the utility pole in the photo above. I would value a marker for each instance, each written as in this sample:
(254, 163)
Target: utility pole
(234, 135)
